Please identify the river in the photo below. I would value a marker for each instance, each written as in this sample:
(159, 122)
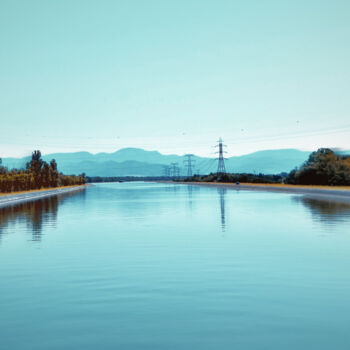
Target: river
(166, 266)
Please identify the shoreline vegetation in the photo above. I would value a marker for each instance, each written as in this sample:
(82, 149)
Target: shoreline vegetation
(37, 175)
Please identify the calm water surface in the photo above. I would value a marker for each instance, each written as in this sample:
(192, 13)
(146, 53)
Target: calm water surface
(163, 266)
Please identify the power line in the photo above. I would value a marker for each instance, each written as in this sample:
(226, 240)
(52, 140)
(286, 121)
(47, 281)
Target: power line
(206, 166)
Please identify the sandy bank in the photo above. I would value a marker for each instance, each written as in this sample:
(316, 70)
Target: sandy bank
(20, 197)
(329, 193)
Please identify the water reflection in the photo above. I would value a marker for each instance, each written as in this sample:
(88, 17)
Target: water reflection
(222, 194)
(326, 211)
(34, 214)
(190, 195)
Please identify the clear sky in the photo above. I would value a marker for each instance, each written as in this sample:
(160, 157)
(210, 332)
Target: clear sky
(173, 75)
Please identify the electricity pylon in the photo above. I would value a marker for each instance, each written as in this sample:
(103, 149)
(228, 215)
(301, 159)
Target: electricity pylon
(166, 170)
(221, 160)
(189, 163)
(174, 170)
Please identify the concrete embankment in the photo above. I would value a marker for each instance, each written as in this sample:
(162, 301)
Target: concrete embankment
(16, 198)
(328, 193)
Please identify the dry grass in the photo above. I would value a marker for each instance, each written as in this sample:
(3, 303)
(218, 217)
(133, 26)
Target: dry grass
(334, 188)
(346, 188)
(33, 191)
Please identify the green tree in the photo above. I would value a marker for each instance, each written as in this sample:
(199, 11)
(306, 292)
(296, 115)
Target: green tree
(45, 175)
(3, 170)
(34, 166)
(53, 173)
(323, 167)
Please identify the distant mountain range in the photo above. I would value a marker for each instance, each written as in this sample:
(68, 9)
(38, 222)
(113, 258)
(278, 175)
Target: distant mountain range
(138, 162)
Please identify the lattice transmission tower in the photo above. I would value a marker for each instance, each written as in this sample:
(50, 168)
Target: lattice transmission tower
(174, 170)
(166, 170)
(189, 162)
(221, 160)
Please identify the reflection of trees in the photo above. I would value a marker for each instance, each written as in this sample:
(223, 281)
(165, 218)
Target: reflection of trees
(34, 214)
(325, 210)
(222, 193)
(31, 213)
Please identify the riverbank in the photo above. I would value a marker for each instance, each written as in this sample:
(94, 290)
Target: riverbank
(20, 197)
(339, 194)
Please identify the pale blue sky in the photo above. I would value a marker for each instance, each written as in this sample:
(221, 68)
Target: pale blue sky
(173, 75)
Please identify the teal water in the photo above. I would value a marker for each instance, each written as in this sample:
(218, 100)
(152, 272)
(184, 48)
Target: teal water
(163, 266)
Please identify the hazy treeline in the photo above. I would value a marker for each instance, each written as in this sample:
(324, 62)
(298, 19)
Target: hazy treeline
(323, 167)
(125, 178)
(244, 177)
(261, 178)
(37, 174)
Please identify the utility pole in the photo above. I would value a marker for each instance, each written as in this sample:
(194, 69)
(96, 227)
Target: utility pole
(189, 163)
(221, 160)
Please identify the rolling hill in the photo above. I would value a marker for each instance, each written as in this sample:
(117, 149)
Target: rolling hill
(139, 162)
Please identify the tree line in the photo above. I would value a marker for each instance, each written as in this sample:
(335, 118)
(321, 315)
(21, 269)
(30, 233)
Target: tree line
(36, 175)
(239, 177)
(97, 179)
